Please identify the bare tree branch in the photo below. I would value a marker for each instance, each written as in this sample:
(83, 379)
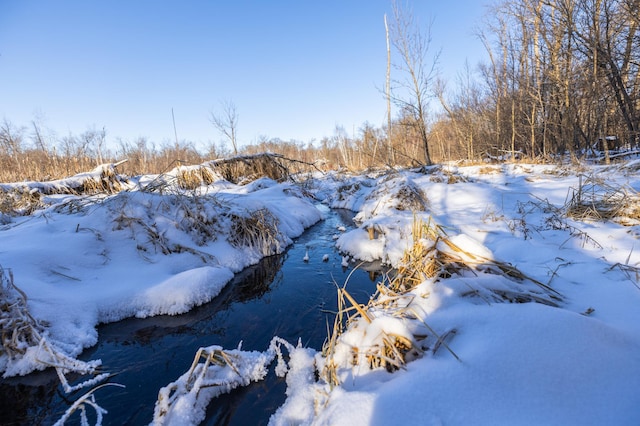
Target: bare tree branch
(226, 122)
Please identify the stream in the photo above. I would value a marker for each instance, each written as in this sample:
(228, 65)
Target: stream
(283, 295)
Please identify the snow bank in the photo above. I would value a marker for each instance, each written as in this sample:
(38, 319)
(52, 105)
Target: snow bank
(542, 327)
(162, 250)
(181, 292)
(184, 401)
(520, 364)
(517, 313)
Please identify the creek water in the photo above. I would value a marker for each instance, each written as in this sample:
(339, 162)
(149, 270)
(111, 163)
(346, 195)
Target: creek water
(283, 295)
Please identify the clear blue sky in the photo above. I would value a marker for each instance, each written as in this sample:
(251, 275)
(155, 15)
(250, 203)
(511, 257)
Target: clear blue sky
(294, 69)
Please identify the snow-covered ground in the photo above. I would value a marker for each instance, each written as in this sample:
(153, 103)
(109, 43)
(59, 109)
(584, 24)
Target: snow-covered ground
(531, 315)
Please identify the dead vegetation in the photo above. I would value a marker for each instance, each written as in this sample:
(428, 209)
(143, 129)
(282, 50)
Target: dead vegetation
(595, 199)
(393, 191)
(188, 183)
(245, 169)
(239, 170)
(196, 379)
(25, 337)
(20, 202)
(191, 178)
(404, 193)
(215, 371)
(147, 219)
(102, 179)
(448, 176)
(433, 257)
(20, 330)
(386, 349)
(258, 229)
(202, 217)
(24, 198)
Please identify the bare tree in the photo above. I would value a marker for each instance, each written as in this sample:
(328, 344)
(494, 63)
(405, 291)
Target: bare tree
(564, 74)
(391, 158)
(411, 93)
(465, 111)
(11, 138)
(11, 141)
(226, 122)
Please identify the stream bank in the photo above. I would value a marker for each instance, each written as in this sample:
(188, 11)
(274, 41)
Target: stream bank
(283, 295)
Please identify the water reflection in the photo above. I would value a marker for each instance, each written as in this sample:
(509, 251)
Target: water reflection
(253, 283)
(27, 400)
(282, 295)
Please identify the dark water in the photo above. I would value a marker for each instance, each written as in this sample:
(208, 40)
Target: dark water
(283, 296)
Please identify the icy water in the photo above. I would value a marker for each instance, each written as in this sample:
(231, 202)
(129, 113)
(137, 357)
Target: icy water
(283, 295)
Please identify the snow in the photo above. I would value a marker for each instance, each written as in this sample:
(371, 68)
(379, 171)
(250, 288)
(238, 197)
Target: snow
(514, 363)
(554, 340)
(184, 401)
(83, 261)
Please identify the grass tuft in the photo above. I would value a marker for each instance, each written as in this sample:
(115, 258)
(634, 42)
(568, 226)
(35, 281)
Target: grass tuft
(391, 329)
(258, 229)
(595, 199)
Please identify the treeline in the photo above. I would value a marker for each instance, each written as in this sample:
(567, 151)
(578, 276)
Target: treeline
(562, 78)
(35, 153)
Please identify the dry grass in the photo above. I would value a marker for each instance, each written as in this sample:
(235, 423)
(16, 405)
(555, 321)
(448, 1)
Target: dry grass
(391, 351)
(490, 170)
(239, 170)
(191, 178)
(407, 196)
(393, 191)
(595, 199)
(25, 197)
(192, 215)
(445, 175)
(22, 333)
(20, 199)
(108, 181)
(102, 180)
(215, 371)
(81, 404)
(244, 169)
(432, 257)
(257, 229)
(196, 379)
(423, 260)
(411, 198)
(20, 330)
(20, 202)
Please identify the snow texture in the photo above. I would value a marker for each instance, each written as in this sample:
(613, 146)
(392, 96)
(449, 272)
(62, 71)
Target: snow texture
(85, 260)
(553, 340)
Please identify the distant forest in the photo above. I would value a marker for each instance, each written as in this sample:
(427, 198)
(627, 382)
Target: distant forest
(562, 78)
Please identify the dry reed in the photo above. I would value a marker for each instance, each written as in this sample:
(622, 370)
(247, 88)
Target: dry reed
(258, 229)
(244, 169)
(22, 333)
(191, 178)
(215, 371)
(595, 199)
(432, 257)
(24, 198)
(20, 202)
(20, 330)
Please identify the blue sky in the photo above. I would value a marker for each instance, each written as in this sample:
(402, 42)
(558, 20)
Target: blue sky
(294, 69)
